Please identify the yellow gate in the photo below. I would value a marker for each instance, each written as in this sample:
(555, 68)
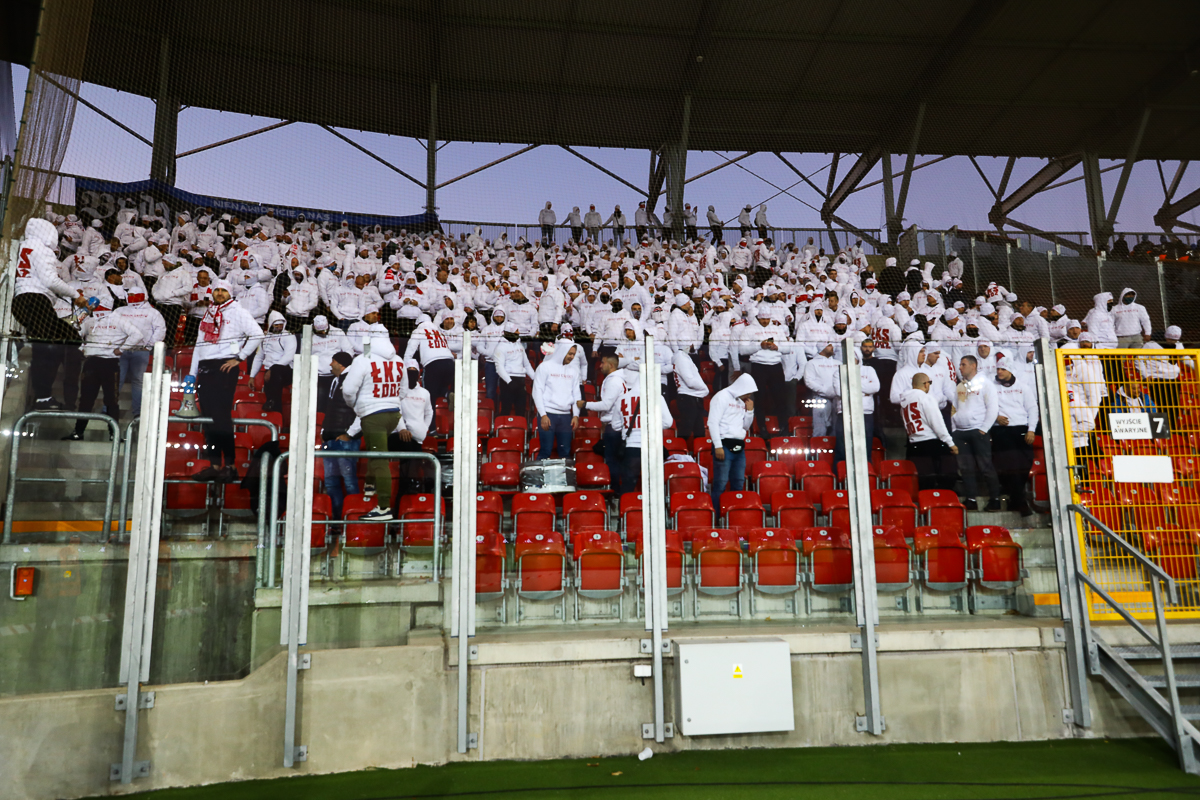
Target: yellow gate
(1133, 425)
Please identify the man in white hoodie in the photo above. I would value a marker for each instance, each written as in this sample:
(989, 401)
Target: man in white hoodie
(1099, 321)
(1131, 321)
(975, 411)
(928, 439)
(730, 414)
(275, 353)
(373, 386)
(555, 396)
(547, 219)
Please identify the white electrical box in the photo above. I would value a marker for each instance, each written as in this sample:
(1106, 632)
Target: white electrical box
(733, 686)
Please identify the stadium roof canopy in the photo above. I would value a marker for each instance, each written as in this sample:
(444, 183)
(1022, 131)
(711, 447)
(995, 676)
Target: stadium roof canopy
(996, 77)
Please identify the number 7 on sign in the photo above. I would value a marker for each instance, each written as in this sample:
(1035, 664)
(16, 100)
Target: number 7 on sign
(1160, 426)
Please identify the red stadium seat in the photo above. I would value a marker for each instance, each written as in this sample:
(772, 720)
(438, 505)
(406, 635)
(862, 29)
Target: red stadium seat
(1038, 490)
(789, 450)
(872, 475)
(512, 427)
(490, 555)
(820, 448)
(682, 476)
(830, 561)
(674, 446)
(533, 512)
(742, 511)
(942, 510)
(717, 557)
(599, 565)
(584, 511)
(365, 538)
(793, 510)
(800, 426)
(322, 512)
(835, 505)
(814, 478)
(893, 559)
(900, 476)
(593, 477)
(1180, 506)
(775, 562)
(489, 512)
(894, 509)
(1175, 549)
(675, 575)
(500, 476)
(997, 558)
(418, 507)
(541, 560)
(769, 477)
(690, 511)
(630, 510)
(756, 451)
(942, 558)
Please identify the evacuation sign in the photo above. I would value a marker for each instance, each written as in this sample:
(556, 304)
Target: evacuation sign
(1130, 426)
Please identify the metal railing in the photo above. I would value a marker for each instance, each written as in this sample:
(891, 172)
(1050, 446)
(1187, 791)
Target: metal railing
(127, 441)
(1157, 577)
(14, 476)
(272, 521)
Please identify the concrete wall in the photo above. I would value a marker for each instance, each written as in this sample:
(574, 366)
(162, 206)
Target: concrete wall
(537, 697)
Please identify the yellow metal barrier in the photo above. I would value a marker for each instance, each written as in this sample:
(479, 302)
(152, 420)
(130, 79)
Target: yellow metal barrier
(1133, 419)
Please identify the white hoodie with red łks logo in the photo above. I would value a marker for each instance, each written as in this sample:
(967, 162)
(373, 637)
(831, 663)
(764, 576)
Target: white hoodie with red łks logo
(373, 384)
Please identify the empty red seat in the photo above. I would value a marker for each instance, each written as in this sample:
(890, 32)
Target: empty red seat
(742, 511)
(717, 555)
(769, 477)
(901, 476)
(835, 505)
(490, 555)
(1038, 490)
(820, 448)
(689, 511)
(599, 564)
(800, 426)
(682, 476)
(504, 426)
(584, 511)
(673, 445)
(416, 519)
(997, 558)
(533, 512)
(775, 560)
(830, 561)
(489, 512)
(1180, 506)
(591, 476)
(630, 509)
(872, 475)
(942, 510)
(892, 508)
(793, 510)
(790, 450)
(942, 557)
(322, 512)
(500, 476)
(506, 449)
(815, 478)
(893, 559)
(756, 450)
(674, 550)
(1175, 549)
(541, 560)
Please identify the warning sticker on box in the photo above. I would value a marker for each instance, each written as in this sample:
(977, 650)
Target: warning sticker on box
(737, 671)
(1130, 426)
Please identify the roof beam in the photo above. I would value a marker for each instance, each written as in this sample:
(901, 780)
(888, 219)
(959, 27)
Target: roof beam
(733, 160)
(488, 165)
(98, 110)
(387, 164)
(607, 172)
(1051, 237)
(232, 139)
(1130, 159)
(866, 237)
(865, 163)
(1174, 187)
(895, 175)
(1167, 217)
(1042, 179)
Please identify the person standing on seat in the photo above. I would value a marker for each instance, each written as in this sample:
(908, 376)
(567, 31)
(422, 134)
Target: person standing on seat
(556, 396)
(928, 439)
(227, 336)
(611, 391)
(432, 350)
(341, 476)
(136, 361)
(512, 367)
(715, 225)
(627, 418)
(975, 411)
(730, 414)
(105, 336)
(372, 386)
(38, 285)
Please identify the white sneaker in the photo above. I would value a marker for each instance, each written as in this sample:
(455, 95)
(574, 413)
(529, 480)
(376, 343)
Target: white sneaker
(378, 514)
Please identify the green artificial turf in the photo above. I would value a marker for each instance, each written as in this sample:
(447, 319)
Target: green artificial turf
(1129, 768)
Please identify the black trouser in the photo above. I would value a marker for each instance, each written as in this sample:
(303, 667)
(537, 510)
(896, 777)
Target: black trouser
(99, 375)
(577, 234)
(690, 232)
(934, 462)
(295, 324)
(214, 393)
(170, 315)
(888, 412)
(1166, 397)
(762, 233)
(1012, 458)
(768, 399)
(439, 378)
(618, 233)
(641, 232)
(278, 377)
(717, 233)
(690, 420)
(745, 231)
(974, 457)
(323, 383)
(510, 397)
(614, 454)
(51, 336)
(191, 330)
(72, 361)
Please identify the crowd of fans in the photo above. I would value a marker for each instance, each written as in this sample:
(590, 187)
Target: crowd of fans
(744, 332)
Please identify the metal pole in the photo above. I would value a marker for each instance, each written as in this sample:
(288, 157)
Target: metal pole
(260, 557)
(1074, 615)
(1050, 273)
(128, 448)
(1162, 293)
(273, 519)
(862, 536)
(431, 153)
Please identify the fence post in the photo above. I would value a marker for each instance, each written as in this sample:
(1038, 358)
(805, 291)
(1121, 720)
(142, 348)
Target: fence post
(1162, 294)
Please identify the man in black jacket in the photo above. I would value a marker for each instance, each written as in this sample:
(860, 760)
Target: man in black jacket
(341, 477)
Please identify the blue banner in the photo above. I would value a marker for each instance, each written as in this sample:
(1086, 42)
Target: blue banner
(96, 199)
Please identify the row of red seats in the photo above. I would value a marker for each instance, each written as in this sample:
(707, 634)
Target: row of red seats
(811, 477)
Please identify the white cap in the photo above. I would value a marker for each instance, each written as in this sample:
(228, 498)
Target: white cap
(320, 323)
(1174, 333)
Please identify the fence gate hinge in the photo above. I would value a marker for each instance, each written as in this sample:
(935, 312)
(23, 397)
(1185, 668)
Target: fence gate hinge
(141, 769)
(145, 701)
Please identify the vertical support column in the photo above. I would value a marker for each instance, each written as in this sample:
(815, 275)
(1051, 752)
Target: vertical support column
(462, 583)
(1094, 190)
(1050, 275)
(297, 537)
(654, 537)
(866, 601)
(889, 201)
(676, 169)
(1076, 624)
(1162, 293)
(166, 120)
(142, 577)
(431, 153)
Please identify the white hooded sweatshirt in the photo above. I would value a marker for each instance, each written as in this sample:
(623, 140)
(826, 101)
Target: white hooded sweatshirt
(727, 414)
(555, 384)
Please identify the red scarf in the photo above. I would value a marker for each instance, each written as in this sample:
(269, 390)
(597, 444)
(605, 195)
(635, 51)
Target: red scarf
(213, 322)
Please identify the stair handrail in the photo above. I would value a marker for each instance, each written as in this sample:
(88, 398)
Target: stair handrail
(1158, 576)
